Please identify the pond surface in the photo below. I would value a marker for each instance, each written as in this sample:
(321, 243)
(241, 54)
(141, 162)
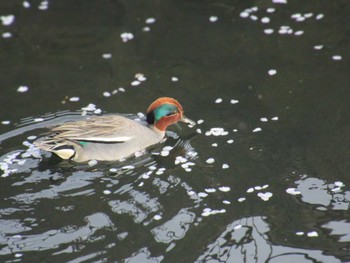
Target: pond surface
(263, 177)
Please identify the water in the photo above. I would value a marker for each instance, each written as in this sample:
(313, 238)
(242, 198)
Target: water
(263, 177)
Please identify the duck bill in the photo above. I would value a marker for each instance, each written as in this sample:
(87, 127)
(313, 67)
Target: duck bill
(187, 120)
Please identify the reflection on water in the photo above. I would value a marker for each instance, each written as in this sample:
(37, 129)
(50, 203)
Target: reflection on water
(55, 237)
(246, 240)
(318, 192)
(264, 175)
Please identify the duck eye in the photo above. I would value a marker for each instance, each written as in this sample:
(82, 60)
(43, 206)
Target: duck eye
(171, 113)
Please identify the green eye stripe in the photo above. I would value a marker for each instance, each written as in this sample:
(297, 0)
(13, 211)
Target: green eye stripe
(164, 110)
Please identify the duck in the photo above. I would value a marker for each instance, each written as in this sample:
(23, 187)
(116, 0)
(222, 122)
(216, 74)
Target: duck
(113, 137)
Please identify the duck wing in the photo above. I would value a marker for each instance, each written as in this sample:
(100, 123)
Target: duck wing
(104, 129)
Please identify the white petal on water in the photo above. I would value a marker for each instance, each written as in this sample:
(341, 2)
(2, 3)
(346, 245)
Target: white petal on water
(140, 77)
(202, 194)
(135, 83)
(241, 199)
(205, 214)
(312, 234)
(126, 36)
(319, 16)
(250, 190)
(180, 159)
(218, 100)
(90, 107)
(230, 141)
(213, 19)
(224, 188)
(237, 227)
(308, 15)
(191, 193)
(199, 131)
(6, 35)
(106, 94)
(339, 184)
(157, 217)
(299, 33)
(210, 160)
(121, 89)
(5, 122)
(200, 121)
(22, 89)
(233, 101)
(263, 119)
(293, 191)
(336, 189)
(258, 129)
(4, 166)
(7, 20)
(254, 17)
(174, 79)
(226, 202)
(270, 10)
(107, 55)
(128, 167)
(152, 168)
(38, 119)
(160, 171)
(274, 118)
(5, 174)
(214, 144)
(299, 233)
(186, 166)
(168, 148)
(265, 196)
(285, 30)
(146, 175)
(210, 190)
(217, 131)
(279, 1)
(26, 4)
(296, 15)
(74, 99)
(150, 20)
(164, 153)
(107, 192)
(244, 14)
(265, 20)
(337, 57)
(318, 47)
(225, 166)
(272, 72)
(268, 31)
(18, 255)
(191, 154)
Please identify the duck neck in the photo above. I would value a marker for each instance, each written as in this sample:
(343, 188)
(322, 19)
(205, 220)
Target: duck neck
(161, 133)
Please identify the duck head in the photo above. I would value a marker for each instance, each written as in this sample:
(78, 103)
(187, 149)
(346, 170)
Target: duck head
(164, 112)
